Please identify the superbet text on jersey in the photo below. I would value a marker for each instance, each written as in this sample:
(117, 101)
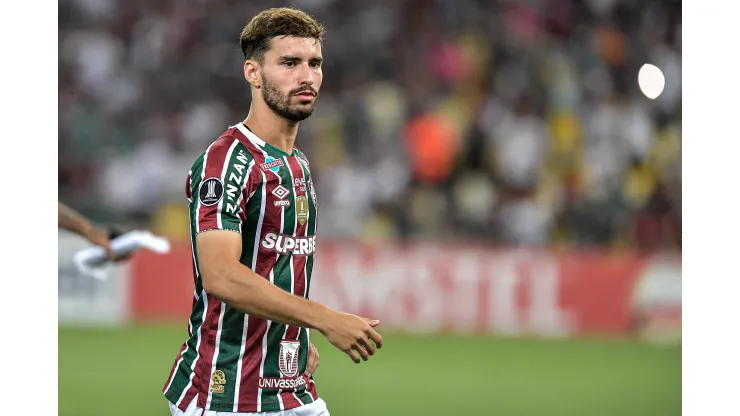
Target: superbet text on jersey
(233, 362)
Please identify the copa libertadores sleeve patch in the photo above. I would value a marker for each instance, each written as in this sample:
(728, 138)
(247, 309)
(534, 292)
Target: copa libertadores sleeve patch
(211, 191)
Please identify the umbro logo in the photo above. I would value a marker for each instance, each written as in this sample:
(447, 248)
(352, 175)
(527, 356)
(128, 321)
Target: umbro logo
(280, 192)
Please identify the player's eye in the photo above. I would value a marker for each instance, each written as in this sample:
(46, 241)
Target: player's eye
(315, 64)
(290, 63)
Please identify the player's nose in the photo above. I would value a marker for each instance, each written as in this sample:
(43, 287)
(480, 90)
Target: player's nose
(306, 75)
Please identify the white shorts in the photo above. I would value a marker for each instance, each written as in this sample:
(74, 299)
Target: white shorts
(317, 408)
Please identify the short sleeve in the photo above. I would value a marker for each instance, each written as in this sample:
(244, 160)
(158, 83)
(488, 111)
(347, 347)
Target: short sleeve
(220, 186)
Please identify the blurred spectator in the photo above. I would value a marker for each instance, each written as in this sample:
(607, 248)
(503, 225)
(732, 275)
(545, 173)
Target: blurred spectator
(511, 122)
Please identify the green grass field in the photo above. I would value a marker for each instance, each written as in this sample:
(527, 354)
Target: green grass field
(119, 372)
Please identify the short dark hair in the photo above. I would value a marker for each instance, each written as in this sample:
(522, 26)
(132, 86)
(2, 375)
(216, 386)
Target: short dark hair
(284, 21)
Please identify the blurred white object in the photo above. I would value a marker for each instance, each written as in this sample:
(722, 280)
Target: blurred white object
(651, 81)
(93, 261)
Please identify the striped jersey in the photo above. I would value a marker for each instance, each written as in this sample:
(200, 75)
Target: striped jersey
(234, 362)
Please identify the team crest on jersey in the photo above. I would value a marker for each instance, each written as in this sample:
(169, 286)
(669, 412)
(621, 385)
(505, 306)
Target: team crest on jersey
(288, 361)
(218, 380)
(211, 191)
(272, 164)
(301, 208)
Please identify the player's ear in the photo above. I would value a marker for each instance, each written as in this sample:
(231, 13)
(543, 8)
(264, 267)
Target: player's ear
(251, 73)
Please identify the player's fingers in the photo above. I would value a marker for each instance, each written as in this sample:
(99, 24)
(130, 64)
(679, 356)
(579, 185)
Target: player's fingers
(372, 322)
(309, 366)
(310, 369)
(313, 360)
(360, 348)
(369, 346)
(353, 355)
(375, 336)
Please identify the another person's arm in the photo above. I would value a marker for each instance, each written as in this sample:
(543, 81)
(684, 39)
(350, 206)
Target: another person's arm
(75, 222)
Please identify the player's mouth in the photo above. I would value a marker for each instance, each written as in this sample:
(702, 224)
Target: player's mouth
(308, 95)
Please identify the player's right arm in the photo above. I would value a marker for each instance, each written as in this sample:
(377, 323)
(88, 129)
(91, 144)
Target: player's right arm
(224, 277)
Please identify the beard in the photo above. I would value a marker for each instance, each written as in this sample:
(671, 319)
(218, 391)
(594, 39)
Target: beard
(280, 103)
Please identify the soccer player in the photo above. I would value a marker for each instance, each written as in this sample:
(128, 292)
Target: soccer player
(75, 222)
(253, 226)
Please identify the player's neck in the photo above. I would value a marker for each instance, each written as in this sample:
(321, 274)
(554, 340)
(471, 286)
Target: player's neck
(272, 129)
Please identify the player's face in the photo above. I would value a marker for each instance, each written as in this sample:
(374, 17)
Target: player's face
(291, 76)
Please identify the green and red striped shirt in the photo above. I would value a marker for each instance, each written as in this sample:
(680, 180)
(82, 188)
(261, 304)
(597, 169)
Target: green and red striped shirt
(234, 362)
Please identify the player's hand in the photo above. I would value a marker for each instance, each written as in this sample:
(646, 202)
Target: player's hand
(353, 335)
(313, 360)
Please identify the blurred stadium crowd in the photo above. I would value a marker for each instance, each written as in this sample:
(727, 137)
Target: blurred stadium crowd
(475, 120)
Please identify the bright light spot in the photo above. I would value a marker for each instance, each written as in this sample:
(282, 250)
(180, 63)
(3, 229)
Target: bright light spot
(651, 81)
